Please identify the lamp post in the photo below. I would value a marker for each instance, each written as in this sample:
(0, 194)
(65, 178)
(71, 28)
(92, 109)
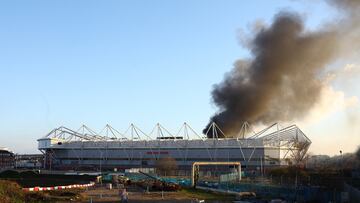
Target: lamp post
(100, 162)
(341, 162)
(100, 174)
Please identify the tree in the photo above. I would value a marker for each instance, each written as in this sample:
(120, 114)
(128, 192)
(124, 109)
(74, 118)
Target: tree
(166, 166)
(300, 155)
(357, 159)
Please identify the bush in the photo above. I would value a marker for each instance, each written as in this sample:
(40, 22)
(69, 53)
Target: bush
(290, 171)
(11, 192)
(28, 174)
(9, 174)
(36, 197)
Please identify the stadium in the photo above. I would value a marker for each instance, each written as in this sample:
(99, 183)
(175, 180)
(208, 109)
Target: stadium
(85, 149)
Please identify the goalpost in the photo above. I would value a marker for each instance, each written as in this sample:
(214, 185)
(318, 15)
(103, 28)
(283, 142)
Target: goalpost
(196, 165)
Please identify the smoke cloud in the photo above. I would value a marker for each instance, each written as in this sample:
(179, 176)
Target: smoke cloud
(283, 79)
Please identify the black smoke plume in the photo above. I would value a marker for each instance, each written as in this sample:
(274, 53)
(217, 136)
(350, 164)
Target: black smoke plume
(282, 81)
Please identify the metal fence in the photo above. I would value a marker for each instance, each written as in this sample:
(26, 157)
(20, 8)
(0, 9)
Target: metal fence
(353, 193)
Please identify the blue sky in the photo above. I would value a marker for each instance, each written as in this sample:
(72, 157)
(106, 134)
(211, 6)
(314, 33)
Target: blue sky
(97, 62)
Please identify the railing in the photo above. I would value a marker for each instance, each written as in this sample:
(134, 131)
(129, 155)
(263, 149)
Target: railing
(354, 193)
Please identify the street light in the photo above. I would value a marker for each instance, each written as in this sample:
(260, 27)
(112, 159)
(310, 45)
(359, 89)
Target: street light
(101, 157)
(341, 161)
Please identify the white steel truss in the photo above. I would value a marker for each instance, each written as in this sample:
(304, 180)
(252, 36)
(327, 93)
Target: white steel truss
(290, 139)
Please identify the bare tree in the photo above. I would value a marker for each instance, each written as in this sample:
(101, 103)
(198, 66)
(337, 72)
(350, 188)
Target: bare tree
(357, 159)
(166, 166)
(300, 155)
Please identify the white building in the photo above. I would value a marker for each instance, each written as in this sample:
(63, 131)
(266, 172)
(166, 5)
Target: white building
(87, 150)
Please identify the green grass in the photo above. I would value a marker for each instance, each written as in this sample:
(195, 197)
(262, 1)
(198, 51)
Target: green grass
(206, 195)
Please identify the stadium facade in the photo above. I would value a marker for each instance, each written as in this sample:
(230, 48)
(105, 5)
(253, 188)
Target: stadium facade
(85, 149)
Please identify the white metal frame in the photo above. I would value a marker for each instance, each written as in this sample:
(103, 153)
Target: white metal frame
(287, 139)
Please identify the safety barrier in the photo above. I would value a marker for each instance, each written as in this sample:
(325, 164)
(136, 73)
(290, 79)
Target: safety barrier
(36, 189)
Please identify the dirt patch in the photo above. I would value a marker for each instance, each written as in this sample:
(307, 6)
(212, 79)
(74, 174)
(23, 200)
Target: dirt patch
(137, 194)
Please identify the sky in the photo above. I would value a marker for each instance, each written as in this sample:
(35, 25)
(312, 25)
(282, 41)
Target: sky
(119, 62)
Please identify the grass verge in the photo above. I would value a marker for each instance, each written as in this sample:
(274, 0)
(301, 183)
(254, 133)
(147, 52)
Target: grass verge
(11, 192)
(206, 195)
